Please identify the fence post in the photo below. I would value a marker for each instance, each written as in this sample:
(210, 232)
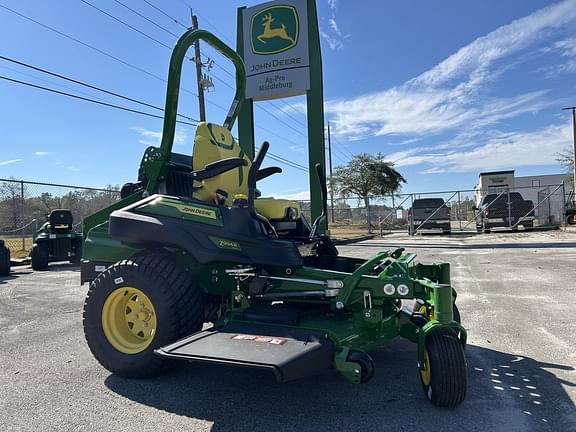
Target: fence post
(563, 215)
(368, 215)
(459, 212)
(412, 214)
(509, 211)
(22, 212)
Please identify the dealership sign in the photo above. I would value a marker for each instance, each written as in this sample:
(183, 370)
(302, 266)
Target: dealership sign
(276, 49)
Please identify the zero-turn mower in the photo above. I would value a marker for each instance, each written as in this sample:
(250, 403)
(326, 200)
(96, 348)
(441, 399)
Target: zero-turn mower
(191, 242)
(56, 241)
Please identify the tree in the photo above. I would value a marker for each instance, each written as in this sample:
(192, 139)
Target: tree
(566, 159)
(12, 195)
(367, 175)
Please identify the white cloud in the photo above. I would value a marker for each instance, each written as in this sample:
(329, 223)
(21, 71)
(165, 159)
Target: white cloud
(502, 150)
(11, 161)
(42, 153)
(72, 168)
(333, 35)
(567, 50)
(334, 26)
(450, 95)
(476, 58)
(153, 138)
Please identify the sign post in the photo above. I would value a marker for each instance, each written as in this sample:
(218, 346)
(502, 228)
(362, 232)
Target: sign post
(279, 42)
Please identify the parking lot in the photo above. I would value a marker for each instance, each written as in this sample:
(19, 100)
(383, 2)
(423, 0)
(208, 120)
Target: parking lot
(515, 295)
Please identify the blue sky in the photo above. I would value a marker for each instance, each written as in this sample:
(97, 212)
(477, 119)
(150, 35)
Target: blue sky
(445, 89)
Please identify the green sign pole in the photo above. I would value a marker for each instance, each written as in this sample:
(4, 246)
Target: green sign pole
(315, 106)
(246, 115)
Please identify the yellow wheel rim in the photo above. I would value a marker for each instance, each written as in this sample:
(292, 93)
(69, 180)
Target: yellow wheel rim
(129, 320)
(425, 370)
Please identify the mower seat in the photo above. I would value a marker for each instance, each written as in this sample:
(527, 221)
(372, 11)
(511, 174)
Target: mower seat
(213, 143)
(60, 221)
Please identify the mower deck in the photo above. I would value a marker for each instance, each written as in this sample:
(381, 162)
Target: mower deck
(288, 352)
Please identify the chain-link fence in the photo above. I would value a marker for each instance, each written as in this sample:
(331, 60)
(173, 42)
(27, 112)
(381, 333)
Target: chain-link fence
(469, 210)
(24, 206)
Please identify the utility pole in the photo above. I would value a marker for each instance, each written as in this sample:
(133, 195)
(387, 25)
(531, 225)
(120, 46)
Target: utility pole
(331, 181)
(573, 109)
(198, 61)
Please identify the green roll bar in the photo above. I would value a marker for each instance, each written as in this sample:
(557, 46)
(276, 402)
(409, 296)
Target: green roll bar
(173, 88)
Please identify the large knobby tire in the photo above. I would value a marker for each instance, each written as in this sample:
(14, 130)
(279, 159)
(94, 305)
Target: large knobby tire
(4, 260)
(39, 256)
(571, 219)
(443, 374)
(136, 306)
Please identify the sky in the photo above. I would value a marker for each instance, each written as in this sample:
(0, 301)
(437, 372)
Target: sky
(443, 89)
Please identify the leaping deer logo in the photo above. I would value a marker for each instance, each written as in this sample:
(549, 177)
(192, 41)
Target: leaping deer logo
(270, 33)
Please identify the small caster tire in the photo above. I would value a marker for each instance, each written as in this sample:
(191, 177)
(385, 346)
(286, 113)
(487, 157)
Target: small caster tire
(443, 373)
(366, 365)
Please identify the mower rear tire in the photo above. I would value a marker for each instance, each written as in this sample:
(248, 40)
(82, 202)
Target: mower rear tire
(571, 219)
(39, 256)
(366, 365)
(137, 306)
(77, 257)
(443, 373)
(4, 260)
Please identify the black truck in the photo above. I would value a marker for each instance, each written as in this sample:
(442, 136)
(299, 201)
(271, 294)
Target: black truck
(429, 213)
(507, 210)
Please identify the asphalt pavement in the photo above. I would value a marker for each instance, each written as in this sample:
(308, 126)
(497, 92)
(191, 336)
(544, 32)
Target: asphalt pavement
(516, 299)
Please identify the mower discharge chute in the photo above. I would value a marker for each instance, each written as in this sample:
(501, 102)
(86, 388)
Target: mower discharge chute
(190, 242)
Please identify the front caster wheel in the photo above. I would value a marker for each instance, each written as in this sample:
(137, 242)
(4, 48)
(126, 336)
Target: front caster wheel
(443, 372)
(366, 365)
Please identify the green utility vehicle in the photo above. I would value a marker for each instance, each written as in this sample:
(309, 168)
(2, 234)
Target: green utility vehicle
(56, 241)
(192, 242)
(4, 259)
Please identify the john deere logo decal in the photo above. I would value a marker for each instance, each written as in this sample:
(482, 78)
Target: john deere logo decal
(274, 29)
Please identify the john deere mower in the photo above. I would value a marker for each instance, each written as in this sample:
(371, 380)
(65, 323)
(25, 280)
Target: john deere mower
(191, 242)
(56, 241)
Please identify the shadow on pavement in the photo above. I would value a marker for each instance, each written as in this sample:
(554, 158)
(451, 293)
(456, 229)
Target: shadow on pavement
(9, 277)
(505, 392)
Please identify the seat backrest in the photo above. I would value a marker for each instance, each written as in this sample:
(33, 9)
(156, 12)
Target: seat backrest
(213, 143)
(60, 221)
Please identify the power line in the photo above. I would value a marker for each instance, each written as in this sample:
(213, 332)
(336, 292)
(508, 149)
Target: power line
(168, 47)
(36, 68)
(165, 14)
(155, 40)
(110, 105)
(126, 24)
(147, 19)
(52, 29)
(89, 99)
